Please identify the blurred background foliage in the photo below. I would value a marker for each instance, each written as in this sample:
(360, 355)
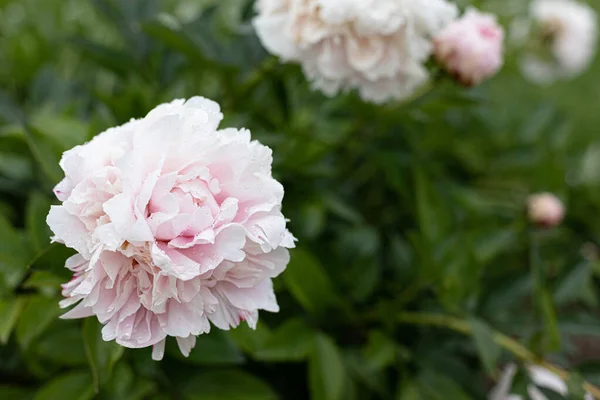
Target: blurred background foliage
(414, 207)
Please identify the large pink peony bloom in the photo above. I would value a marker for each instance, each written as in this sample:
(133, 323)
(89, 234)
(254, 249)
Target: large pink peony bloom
(176, 224)
(471, 48)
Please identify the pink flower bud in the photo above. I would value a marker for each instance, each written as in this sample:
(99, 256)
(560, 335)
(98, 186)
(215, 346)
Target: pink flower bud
(545, 209)
(471, 48)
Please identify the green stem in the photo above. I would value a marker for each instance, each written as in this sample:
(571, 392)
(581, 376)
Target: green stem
(509, 344)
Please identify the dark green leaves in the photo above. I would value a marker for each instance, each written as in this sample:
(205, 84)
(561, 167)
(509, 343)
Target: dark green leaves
(37, 230)
(101, 355)
(215, 348)
(39, 312)
(307, 281)
(326, 370)
(293, 341)
(70, 386)
(10, 311)
(488, 349)
(227, 385)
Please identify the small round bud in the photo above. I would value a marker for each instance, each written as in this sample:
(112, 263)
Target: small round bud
(545, 209)
(471, 48)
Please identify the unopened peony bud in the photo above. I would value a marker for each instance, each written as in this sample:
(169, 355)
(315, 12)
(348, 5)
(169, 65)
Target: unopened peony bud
(471, 48)
(545, 209)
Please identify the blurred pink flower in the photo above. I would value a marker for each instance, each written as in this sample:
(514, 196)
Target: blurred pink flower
(176, 224)
(471, 48)
(545, 209)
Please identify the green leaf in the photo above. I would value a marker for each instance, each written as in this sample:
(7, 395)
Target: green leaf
(62, 344)
(308, 283)
(408, 390)
(292, 341)
(215, 348)
(10, 310)
(432, 215)
(45, 151)
(327, 374)
(14, 254)
(45, 282)
(551, 331)
(489, 351)
(101, 355)
(124, 384)
(169, 31)
(70, 386)
(37, 229)
(15, 393)
(380, 350)
(114, 60)
(38, 314)
(434, 386)
(575, 387)
(227, 385)
(360, 370)
(67, 131)
(576, 285)
(313, 216)
(248, 339)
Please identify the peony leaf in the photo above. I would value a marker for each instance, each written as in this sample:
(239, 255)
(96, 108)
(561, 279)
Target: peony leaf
(227, 385)
(37, 229)
(215, 348)
(10, 310)
(70, 386)
(62, 344)
(551, 331)
(578, 284)
(101, 355)
(488, 349)
(37, 315)
(408, 390)
(14, 254)
(15, 393)
(248, 339)
(327, 373)
(435, 386)
(307, 281)
(292, 341)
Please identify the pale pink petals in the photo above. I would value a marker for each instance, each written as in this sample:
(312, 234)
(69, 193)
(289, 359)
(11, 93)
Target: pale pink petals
(471, 48)
(176, 224)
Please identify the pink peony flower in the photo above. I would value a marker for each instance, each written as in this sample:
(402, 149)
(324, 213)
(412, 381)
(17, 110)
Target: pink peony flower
(176, 224)
(471, 48)
(545, 209)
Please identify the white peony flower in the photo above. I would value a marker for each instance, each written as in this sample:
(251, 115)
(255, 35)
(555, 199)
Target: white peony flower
(176, 223)
(564, 33)
(376, 46)
(540, 376)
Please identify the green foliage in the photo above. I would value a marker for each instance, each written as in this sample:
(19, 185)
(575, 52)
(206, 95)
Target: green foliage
(416, 206)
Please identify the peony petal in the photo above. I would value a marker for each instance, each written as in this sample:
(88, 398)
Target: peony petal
(186, 344)
(68, 230)
(158, 350)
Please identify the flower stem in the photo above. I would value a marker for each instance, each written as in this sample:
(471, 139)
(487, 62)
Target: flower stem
(509, 344)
